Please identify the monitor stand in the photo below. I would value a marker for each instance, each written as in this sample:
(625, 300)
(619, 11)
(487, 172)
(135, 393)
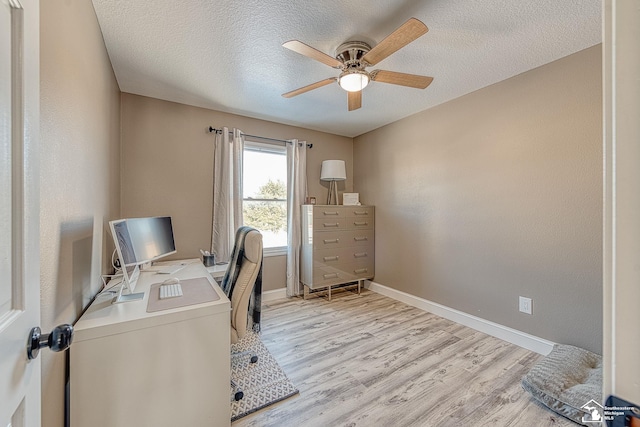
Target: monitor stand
(128, 283)
(128, 297)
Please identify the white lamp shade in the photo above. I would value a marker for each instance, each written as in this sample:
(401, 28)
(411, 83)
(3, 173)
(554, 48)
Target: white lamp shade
(333, 170)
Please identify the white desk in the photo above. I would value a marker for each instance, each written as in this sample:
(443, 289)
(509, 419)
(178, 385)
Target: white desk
(217, 271)
(166, 368)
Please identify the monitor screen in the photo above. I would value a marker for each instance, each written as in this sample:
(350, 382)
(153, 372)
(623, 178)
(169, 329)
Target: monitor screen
(151, 238)
(138, 241)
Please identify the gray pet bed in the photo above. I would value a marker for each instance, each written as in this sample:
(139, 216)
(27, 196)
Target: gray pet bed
(565, 380)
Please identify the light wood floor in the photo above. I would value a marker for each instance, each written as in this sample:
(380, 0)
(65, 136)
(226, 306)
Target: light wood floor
(372, 361)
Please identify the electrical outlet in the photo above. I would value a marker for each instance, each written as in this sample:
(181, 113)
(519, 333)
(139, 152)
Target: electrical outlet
(526, 305)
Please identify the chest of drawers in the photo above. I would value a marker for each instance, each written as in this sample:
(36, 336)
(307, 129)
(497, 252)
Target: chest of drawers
(338, 245)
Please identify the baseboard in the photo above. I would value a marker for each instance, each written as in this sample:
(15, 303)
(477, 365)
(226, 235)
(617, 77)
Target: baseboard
(274, 294)
(522, 339)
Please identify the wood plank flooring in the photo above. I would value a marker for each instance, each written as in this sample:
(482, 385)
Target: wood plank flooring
(368, 360)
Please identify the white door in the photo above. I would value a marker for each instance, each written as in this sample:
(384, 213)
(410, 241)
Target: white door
(19, 211)
(621, 61)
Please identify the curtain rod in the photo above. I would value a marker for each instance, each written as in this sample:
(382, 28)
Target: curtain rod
(214, 130)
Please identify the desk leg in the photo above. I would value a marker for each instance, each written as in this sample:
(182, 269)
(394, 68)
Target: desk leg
(306, 292)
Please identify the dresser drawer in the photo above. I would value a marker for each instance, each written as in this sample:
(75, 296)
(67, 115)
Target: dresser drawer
(342, 238)
(331, 256)
(330, 239)
(359, 223)
(361, 212)
(362, 237)
(324, 275)
(328, 212)
(343, 256)
(330, 224)
(361, 270)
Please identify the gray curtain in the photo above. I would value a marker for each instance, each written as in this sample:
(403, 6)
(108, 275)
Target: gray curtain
(296, 194)
(227, 192)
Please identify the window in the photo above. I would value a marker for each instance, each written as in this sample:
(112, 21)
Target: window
(264, 189)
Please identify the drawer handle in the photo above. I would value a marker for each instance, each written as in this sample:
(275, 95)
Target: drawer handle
(360, 239)
(329, 213)
(361, 270)
(360, 255)
(331, 258)
(330, 224)
(357, 223)
(331, 240)
(360, 213)
(330, 275)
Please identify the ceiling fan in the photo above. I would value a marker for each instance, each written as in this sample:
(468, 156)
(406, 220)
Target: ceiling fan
(353, 57)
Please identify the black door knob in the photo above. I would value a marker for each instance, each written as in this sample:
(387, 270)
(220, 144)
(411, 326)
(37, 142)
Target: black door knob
(58, 340)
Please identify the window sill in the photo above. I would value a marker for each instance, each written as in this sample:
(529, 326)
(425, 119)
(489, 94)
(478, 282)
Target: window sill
(269, 252)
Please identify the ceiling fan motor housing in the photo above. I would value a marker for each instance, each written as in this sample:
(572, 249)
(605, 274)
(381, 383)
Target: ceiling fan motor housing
(351, 53)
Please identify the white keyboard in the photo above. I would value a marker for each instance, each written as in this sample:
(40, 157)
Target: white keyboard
(170, 291)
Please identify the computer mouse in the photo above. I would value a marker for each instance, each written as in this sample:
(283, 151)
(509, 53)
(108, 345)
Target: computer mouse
(171, 281)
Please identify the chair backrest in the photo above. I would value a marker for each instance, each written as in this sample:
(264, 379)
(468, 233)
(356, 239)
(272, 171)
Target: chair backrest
(245, 282)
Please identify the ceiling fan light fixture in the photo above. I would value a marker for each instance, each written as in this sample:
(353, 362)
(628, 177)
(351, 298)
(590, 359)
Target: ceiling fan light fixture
(353, 80)
(353, 57)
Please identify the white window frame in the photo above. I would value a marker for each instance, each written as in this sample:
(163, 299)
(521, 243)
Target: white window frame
(275, 148)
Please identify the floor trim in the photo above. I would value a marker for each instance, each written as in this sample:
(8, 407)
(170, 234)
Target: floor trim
(522, 339)
(274, 294)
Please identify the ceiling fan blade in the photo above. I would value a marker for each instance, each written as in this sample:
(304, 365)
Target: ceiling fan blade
(355, 100)
(307, 88)
(402, 79)
(405, 34)
(313, 53)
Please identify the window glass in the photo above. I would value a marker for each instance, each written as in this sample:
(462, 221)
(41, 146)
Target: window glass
(265, 192)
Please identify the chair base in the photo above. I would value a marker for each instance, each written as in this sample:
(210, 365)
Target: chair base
(238, 393)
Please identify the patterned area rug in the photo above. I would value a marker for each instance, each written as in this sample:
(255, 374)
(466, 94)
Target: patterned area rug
(264, 383)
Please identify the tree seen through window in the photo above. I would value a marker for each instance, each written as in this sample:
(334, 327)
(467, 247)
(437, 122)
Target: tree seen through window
(269, 214)
(265, 192)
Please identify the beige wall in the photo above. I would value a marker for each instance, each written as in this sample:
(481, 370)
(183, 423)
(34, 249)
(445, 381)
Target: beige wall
(167, 158)
(494, 195)
(79, 184)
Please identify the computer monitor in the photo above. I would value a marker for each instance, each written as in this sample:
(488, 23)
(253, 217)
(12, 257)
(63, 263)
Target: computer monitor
(138, 241)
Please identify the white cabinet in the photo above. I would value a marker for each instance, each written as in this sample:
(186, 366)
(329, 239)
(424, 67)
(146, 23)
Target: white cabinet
(338, 245)
(165, 368)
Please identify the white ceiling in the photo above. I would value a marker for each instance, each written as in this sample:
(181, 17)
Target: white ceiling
(227, 55)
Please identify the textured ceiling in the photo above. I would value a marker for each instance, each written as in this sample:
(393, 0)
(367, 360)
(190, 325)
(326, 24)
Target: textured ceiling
(227, 55)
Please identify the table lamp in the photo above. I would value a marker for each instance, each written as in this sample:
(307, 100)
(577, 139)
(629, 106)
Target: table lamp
(332, 171)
